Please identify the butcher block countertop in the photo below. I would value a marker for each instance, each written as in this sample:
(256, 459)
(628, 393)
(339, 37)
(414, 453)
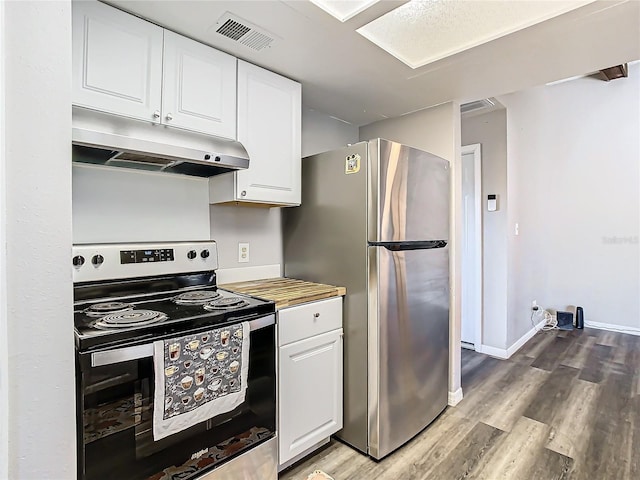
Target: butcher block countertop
(286, 292)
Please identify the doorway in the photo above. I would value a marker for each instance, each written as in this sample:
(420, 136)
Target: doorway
(471, 261)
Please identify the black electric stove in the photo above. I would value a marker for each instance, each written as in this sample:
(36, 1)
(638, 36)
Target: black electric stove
(115, 312)
(127, 297)
(129, 292)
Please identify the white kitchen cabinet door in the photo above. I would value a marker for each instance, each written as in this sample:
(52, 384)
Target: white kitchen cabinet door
(117, 62)
(269, 127)
(199, 87)
(310, 393)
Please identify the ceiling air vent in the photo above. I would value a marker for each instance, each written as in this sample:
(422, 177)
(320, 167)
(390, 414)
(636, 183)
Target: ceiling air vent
(613, 73)
(477, 105)
(244, 32)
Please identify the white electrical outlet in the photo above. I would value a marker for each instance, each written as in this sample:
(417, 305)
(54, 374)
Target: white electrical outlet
(534, 303)
(243, 252)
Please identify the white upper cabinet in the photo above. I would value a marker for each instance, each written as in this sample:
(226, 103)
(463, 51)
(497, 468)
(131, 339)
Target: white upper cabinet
(269, 127)
(127, 66)
(117, 62)
(199, 87)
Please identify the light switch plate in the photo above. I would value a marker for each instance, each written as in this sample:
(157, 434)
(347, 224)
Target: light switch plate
(243, 252)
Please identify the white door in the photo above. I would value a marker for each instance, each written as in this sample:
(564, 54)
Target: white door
(269, 119)
(471, 246)
(199, 87)
(117, 62)
(310, 393)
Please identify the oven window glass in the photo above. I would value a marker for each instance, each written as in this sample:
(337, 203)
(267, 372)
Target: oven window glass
(115, 436)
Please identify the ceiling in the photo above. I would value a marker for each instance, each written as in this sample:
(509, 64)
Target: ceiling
(345, 75)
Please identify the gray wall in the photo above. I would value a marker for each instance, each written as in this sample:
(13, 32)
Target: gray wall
(431, 129)
(260, 227)
(436, 130)
(4, 327)
(321, 132)
(573, 186)
(490, 130)
(37, 188)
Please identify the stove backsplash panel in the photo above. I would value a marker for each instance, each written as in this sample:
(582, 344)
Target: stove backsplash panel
(116, 205)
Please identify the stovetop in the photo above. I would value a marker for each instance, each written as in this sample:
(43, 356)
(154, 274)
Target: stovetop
(91, 334)
(132, 287)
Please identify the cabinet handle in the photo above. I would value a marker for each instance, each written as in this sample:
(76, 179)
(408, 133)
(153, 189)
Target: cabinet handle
(316, 315)
(169, 117)
(156, 114)
(243, 193)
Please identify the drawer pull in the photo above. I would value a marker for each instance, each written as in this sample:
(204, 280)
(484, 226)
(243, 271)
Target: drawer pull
(316, 315)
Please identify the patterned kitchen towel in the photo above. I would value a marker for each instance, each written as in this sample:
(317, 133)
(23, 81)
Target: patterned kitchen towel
(199, 376)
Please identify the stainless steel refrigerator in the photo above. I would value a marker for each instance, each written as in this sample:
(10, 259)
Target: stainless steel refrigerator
(375, 219)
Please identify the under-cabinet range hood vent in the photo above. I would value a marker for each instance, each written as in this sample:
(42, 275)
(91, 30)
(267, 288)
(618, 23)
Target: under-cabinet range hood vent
(241, 31)
(104, 139)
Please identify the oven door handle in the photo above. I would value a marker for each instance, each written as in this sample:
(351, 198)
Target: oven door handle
(120, 355)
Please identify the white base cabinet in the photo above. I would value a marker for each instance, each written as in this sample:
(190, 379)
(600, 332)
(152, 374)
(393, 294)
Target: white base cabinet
(309, 377)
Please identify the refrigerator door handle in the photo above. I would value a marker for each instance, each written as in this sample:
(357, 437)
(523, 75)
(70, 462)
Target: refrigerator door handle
(413, 245)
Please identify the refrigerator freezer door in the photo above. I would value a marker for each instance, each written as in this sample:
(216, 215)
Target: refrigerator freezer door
(410, 194)
(408, 343)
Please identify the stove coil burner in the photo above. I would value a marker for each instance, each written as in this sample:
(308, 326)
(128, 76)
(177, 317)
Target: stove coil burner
(132, 318)
(196, 298)
(102, 309)
(226, 304)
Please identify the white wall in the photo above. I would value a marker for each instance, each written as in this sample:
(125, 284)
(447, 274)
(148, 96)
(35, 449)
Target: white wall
(4, 358)
(41, 426)
(436, 130)
(124, 205)
(262, 227)
(490, 130)
(573, 186)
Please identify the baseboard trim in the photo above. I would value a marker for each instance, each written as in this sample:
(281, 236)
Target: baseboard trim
(613, 328)
(505, 354)
(493, 351)
(246, 274)
(455, 397)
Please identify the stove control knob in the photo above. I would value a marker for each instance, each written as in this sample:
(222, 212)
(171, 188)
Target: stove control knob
(204, 253)
(78, 261)
(97, 260)
(191, 254)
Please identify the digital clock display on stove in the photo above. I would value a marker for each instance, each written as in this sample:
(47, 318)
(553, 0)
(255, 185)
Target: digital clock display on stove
(146, 256)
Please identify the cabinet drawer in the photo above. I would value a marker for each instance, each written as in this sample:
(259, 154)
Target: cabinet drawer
(304, 321)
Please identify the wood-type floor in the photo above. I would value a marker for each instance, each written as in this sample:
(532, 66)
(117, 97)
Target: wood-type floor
(566, 406)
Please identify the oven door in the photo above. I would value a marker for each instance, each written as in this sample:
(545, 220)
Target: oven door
(115, 415)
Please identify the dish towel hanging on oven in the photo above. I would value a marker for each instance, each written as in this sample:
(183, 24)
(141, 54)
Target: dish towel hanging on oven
(199, 376)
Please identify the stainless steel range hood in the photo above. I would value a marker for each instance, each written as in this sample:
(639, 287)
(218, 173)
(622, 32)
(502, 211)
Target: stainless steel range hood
(105, 139)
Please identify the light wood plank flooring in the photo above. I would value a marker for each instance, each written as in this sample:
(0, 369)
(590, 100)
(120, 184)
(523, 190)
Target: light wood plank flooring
(566, 406)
